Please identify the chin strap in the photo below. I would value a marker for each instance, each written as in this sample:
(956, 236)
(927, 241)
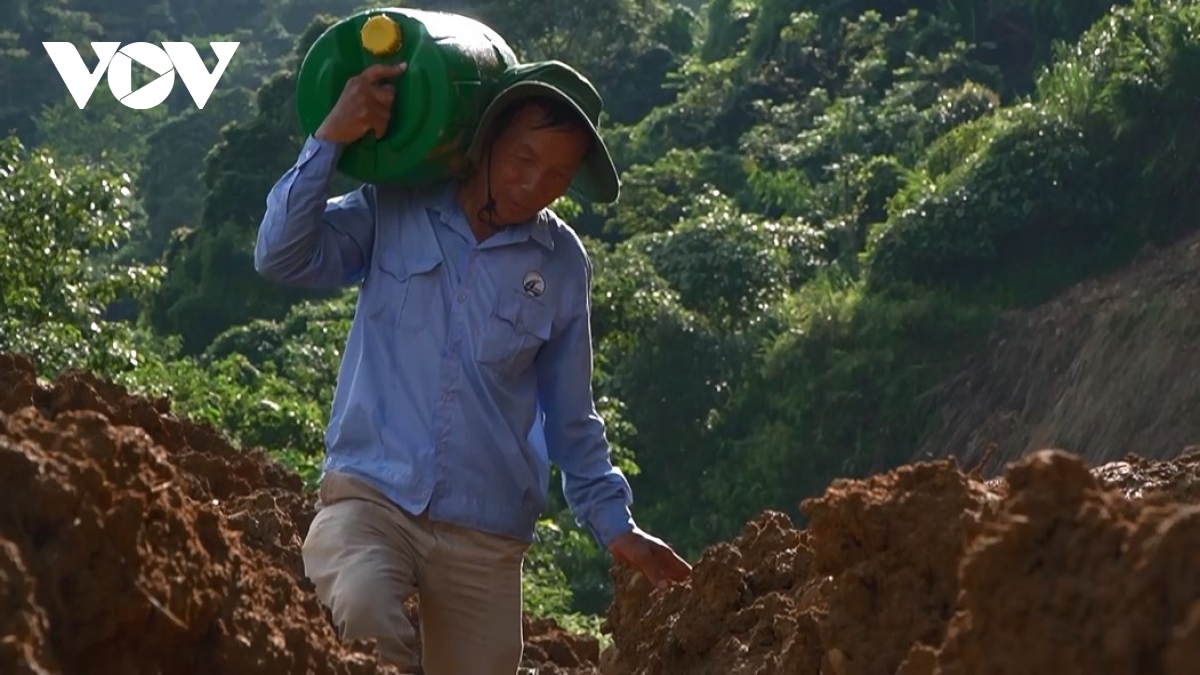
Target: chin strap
(488, 213)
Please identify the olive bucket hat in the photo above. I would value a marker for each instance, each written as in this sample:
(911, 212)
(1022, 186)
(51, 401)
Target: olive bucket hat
(596, 180)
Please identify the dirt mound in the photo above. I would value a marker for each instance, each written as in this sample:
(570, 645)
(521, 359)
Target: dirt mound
(131, 542)
(928, 570)
(1096, 371)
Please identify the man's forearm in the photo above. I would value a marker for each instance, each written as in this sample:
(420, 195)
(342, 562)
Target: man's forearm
(596, 491)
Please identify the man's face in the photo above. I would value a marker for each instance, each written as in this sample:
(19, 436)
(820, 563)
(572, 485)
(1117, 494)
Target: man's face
(531, 167)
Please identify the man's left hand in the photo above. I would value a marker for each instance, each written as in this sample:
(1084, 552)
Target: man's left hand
(650, 556)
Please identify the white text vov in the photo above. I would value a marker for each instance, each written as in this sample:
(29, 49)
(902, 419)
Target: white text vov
(117, 61)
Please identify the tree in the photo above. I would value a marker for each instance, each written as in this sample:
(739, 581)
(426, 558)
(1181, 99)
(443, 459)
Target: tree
(59, 226)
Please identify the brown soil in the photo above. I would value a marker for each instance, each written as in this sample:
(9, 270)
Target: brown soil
(1053, 376)
(135, 542)
(928, 570)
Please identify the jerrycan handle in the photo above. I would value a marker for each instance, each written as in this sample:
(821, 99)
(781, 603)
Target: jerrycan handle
(383, 37)
(410, 109)
(419, 91)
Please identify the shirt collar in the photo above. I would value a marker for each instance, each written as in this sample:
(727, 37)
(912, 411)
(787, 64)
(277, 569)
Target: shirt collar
(442, 202)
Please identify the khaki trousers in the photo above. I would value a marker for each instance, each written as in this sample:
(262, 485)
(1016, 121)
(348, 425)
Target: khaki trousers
(366, 556)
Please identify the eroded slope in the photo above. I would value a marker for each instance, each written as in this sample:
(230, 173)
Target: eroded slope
(1108, 368)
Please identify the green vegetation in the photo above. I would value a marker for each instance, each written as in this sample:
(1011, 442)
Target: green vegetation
(825, 204)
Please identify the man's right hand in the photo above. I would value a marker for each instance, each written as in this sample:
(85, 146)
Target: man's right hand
(364, 105)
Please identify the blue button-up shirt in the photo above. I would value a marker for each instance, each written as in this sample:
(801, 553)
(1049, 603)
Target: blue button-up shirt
(468, 365)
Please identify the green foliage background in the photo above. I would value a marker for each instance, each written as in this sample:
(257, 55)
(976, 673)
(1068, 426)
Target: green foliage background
(825, 205)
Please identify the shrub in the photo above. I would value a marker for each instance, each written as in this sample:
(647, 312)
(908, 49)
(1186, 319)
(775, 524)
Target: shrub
(729, 265)
(1036, 192)
(1135, 78)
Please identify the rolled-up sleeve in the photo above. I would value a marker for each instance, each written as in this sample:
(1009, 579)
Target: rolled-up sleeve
(308, 240)
(596, 491)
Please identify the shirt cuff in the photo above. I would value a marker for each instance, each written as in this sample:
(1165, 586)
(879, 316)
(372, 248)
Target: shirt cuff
(609, 521)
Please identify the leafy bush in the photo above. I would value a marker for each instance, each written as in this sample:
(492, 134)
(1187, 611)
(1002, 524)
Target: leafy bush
(1135, 78)
(842, 392)
(1036, 193)
(880, 179)
(956, 147)
(60, 228)
(654, 197)
(955, 107)
(729, 265)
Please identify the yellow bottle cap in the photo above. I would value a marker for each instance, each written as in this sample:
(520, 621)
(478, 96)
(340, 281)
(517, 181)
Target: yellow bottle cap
(381, 35)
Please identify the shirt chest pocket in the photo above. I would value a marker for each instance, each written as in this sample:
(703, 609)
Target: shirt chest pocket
(399, 295)
(514, 332)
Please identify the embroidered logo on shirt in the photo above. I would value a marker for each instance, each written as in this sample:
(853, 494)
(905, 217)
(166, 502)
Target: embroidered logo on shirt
(534, 284)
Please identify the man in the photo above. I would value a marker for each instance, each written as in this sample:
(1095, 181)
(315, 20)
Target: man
(467, 369)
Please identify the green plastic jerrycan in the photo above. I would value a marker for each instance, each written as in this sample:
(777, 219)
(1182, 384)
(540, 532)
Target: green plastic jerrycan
(454, 66)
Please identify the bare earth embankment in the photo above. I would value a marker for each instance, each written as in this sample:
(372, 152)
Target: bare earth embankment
(1110, 367)
(135, 542)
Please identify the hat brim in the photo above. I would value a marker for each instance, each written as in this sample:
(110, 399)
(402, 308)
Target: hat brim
(596, 180)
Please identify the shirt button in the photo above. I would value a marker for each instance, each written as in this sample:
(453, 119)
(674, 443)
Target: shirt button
(446, 396)
(462, 297)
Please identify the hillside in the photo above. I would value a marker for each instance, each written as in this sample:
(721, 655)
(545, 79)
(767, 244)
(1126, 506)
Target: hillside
(134, 541)
(826, 206)
(1104, 369)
